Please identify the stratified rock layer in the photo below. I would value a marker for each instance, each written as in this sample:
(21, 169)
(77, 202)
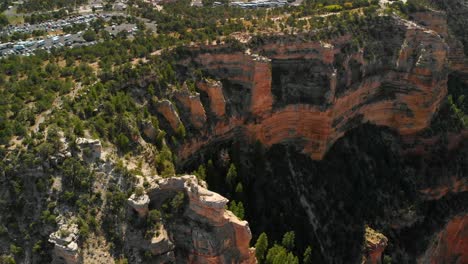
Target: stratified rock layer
(205, 232)
(139, 204)
(66, 250)
(168, 111)
(313, 92)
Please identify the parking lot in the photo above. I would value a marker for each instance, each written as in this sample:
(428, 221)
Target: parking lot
(47, 43)
(27, 48)
(54, 25)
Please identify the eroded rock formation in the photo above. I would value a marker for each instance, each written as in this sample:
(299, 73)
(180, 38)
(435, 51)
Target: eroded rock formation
(214, 89)
(309, 94)
(313, 92)
(193, 106)
(375, 244)
(139, 204)
(205, 232)
(168, 111)
(89, 148)
(66, 249)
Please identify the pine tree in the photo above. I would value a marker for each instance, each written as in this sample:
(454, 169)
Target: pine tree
(308, 255)
(288, 240)
(261, 247)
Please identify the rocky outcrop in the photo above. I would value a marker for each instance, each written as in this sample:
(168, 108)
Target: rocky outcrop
(161, 244)
(214, 89)
(168, 111)
(434, 20)
(66, 249)
(450, 22)
(375, 244)
(313, 92)
(89, 148)
(450, 245)
(149, 130)
(193, 106)
(204, 232)
(139, 204)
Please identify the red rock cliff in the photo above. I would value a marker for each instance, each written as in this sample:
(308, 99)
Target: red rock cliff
(207, 233)
(450, 245)
(315, 91)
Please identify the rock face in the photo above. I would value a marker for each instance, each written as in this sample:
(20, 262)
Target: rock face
(205, 232)
(149, 130)
(313, 92)
(375, 244)
(168, 111)
(90, 148)
(214, 89)
(454, 15)
(161, 245)
(450, 245)
(66, 249)
(192, 104)
(139, 204)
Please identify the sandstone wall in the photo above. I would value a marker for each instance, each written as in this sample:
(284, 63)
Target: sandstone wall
(205, 232)
(168, 111)
(313, 92)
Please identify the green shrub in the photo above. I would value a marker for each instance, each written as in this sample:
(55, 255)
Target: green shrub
(89, 35)
(333, 8)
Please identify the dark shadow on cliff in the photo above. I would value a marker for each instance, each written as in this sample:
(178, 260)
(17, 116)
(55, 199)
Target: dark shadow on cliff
(362, 180)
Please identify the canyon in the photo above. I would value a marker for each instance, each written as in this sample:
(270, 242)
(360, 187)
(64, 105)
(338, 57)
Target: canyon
(308, 102)
(290, 90)
(345, 138)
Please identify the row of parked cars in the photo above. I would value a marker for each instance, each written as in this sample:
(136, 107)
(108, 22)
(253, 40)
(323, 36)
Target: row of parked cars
(53, 25)
(27, 48)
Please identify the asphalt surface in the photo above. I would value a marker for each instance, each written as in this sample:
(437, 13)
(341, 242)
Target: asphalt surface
(47, 43)
(53, 25)
(61, 41)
